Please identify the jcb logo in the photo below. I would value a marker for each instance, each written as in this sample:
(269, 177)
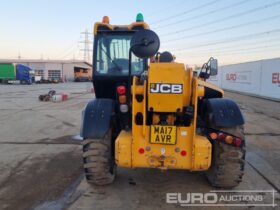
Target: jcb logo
(166, 88)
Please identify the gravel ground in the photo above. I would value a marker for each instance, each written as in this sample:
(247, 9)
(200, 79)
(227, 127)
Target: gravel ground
(41, 165)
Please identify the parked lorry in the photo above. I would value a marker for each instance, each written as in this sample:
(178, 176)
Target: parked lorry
(16, 73)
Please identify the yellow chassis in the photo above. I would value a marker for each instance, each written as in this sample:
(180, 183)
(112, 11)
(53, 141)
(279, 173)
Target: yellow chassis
(197, 148)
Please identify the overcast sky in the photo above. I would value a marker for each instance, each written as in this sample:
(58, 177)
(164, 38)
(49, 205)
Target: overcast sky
(193, 30)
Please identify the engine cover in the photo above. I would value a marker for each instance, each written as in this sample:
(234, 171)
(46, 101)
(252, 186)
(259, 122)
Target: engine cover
(167, 87)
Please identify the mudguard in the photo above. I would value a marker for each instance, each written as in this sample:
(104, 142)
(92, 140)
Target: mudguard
(96, 118)
(223, 112)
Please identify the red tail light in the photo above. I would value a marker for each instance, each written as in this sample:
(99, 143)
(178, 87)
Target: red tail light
(121, 89)
(141, 150)
(238, 141)
(183, 153)
(221, 136)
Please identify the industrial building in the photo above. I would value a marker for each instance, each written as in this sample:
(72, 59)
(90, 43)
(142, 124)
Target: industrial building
(63, 70)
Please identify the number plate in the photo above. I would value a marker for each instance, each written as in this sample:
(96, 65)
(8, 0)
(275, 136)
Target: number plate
(163, 134)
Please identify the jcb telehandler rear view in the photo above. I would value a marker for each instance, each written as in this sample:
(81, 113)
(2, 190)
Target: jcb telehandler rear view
(156, 114)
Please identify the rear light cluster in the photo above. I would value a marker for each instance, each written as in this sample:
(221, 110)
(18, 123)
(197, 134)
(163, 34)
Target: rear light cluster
(225, 138)
(121, 90)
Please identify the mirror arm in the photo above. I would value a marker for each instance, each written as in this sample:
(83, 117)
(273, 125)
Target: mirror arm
(129, 73)
(204, 66)
(129, 70)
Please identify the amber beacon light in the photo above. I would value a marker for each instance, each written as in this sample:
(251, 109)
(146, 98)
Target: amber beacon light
(106, 20)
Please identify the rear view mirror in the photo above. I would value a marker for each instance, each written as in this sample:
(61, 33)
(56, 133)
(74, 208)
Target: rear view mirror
(213, 67)
(209, 69)
(145, 43)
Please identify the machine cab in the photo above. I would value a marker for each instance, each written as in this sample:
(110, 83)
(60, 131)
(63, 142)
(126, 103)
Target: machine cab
(111, 56)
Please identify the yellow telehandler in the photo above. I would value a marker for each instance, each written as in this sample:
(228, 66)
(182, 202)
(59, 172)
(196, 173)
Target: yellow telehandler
(156, 114)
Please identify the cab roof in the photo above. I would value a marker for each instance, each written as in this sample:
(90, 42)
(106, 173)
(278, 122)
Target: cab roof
(100, 26)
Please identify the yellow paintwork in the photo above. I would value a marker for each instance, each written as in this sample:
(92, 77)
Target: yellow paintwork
(206, 84)
(123, 149)
(112, 27)
(127, 151)
(168, 73)
(202, 153)
(198, 147)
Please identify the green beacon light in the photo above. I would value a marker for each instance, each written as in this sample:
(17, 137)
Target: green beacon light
(139, 17)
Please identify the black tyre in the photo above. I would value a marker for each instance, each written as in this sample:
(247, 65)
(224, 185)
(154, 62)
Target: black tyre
(228, 162)
(98, 158)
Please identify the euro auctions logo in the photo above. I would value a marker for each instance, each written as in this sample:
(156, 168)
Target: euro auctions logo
(244, 77)
(248, 198)
(192, 198)
(231, 77)
(275, 78)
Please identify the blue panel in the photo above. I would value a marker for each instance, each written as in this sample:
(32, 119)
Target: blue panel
(22, 73)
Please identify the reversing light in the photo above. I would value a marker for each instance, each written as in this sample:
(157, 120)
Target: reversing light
(106, 20)
(139, 17)
(121, 89)
(123, 108)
